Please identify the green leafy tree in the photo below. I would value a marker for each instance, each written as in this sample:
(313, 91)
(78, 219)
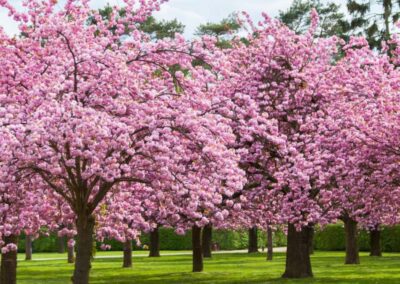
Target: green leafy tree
(223, 31)
(161, 29)
(374, 19)
(156, 29)
(332, 20)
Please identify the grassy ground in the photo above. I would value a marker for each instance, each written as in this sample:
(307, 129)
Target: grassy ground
(45, 255)
(328, 268)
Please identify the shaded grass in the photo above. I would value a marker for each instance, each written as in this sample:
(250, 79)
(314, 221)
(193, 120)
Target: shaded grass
(328, 268)
(39, 255)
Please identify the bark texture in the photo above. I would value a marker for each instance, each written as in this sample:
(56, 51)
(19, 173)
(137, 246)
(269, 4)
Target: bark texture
(127, 254)
(71, 254)
(197, 250)
(298, 264)
(28, 247)
(8, 268)
(253, 241)
(311, 240)
(375, 242)
(154, 243)
(61, 244)
(207, 240)
(270, 249)
(352, 255)
(84, 245)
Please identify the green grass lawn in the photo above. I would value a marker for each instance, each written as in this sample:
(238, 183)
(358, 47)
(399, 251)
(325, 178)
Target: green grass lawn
(40, 255)
(328, 267)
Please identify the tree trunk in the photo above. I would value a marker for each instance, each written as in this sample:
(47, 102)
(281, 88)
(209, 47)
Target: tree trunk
(298, 264)
(253, 241)
(61, 244)
(71, 257)
(207, 240)
(8, 269)
(350, 227)
(28, 247)
(269, 243)
(375, 241)
(387, 11)
(311, 240)
(154, 243)
(197, 250)
(127, 254)
(85, 227)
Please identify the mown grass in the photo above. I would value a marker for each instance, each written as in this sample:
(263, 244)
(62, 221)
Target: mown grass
(328, 268)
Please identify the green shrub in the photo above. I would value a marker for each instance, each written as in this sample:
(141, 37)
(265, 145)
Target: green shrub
(391, 239)
(42, 244)
(279, 239)
(169, 240)
(332, 238)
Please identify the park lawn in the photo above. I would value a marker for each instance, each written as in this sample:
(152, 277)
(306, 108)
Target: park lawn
(49, 255)
(328, 267)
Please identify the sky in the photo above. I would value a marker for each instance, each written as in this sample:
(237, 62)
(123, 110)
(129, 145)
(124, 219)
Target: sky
(191, 13)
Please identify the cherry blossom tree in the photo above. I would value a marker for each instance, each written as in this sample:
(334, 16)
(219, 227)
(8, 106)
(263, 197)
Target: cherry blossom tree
(99, 111)
(363, 83)
(271, 88)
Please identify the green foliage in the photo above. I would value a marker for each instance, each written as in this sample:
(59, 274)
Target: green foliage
(169, 240)
(42, 244)
(223, 31)
(226, 26)
(332, 21)
(391, 239)
(161, 29)
(279, 238)
(332, 238)
(373, 19)
(154, 28)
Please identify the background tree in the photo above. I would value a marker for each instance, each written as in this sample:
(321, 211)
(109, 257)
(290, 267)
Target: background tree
(120, 94)
(373, 19)
(332, 20)
(161, 29)
(222, 31)
(156, 29)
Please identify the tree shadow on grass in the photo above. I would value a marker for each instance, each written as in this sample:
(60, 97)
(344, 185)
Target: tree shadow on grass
(221, 269)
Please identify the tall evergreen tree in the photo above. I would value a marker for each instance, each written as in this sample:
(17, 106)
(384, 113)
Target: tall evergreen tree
(374, 19)
(332, 20)
(223, 30)
(162, 29)
(156, 29)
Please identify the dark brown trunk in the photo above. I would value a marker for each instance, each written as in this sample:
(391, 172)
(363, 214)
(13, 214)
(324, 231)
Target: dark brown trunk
(71, 256)
(127, 254)
(207, 240)
(61, 244)
(269, 244)
(253, 241)
(350, 227)
(84, 247)
(197, 250)
(375, 242)
(154, 243)
(311, 240)
(8, 269)
(298, 264)
(28, 247)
